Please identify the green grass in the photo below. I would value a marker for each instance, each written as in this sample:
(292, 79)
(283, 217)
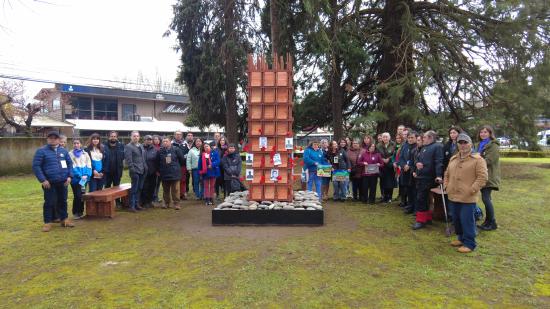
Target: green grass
(362, 257)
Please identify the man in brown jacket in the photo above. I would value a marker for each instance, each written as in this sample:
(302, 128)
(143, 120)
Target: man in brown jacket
(464, 177)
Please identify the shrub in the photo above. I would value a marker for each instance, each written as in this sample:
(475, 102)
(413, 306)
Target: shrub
(524, 154)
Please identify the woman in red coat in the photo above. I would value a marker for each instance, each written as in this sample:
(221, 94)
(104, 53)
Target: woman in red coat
(372, 162)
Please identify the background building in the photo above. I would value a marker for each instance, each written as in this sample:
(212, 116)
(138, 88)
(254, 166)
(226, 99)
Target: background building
(98, 109)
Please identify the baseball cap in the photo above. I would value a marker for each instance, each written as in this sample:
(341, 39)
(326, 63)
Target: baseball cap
(53, 133)
(464, 137)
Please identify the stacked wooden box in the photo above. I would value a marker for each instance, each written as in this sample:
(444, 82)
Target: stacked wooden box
(270, 93)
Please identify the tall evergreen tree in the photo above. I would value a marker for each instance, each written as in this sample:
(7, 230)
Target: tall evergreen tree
(214, 38)
(333, 56)
(451, 49)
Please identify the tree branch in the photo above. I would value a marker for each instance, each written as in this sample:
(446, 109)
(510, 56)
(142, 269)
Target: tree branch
(448, 9)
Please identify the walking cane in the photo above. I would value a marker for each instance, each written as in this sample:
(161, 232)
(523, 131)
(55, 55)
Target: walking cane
(447, 228)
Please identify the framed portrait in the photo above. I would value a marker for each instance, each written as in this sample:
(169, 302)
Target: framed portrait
(249, 174)
(249, 159)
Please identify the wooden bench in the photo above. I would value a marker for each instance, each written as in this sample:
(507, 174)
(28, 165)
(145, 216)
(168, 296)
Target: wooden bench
(102, 203)
(436, 204)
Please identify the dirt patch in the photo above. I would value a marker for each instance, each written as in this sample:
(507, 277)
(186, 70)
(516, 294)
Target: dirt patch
(518, 172)
(195, 220)
(546, 165)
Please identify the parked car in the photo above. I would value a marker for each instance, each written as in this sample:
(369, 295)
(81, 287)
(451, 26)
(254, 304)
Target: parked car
(505, 142)
(543, 138)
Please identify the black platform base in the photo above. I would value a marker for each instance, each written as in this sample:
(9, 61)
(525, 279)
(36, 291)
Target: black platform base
(268, 217)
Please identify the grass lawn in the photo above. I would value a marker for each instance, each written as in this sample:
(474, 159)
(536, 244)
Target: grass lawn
(363, 256)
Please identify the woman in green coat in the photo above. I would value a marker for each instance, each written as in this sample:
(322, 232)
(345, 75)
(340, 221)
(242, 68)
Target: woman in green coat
(489, 149)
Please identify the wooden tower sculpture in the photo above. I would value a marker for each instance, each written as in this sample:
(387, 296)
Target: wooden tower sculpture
(270, 137)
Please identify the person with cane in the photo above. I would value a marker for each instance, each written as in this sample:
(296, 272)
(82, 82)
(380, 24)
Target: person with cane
(464, 178)
(428, 170)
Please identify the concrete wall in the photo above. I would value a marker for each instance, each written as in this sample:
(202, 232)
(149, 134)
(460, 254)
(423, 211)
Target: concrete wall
(16, 154)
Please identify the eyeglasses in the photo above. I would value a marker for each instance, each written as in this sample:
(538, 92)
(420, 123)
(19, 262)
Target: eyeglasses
(463, 142)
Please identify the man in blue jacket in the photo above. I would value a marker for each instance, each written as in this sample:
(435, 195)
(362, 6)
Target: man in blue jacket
(406, 163)
(53, 168)
(428, 171)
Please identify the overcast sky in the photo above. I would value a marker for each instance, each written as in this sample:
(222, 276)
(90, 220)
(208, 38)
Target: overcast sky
(78, 41)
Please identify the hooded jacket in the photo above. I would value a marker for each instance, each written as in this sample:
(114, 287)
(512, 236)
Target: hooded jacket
(491, 155)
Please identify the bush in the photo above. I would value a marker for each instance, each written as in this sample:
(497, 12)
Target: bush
(524, 154)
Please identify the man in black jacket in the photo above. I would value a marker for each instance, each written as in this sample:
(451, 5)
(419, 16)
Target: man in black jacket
(232, 165)
(406, 163)
(115, 153)
(170, 161)
(427, 172)
(151, 159)
(179, 143)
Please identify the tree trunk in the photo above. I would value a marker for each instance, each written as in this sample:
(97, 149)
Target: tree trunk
(337, 93)
(275, 27)
(230, 80)
(395, 65)
(337, 98)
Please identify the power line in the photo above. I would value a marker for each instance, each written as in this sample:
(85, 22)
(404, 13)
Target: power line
(49, 81)
(128, 82)
(43, 70)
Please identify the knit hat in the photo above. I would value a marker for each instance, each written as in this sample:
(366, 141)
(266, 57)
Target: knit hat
(464, 137)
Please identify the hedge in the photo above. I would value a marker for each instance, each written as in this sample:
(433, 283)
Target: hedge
(524, 154)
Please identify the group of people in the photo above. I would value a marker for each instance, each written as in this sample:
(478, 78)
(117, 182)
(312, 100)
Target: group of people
(211, 169)
(414, 163)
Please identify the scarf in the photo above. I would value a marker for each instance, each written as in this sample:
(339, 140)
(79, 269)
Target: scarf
(204, 167)
(224, 150)
(453, 148)
(482, 144)
(77, 152)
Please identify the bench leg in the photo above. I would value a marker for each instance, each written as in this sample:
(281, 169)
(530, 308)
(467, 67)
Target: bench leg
(100, 209)
(91, 208)
(126, 201)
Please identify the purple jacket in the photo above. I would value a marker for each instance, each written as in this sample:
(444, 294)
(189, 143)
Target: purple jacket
(370, 158)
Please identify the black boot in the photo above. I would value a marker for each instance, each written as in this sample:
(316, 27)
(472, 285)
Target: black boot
(491, 226)
(484, 224)
(408, 210)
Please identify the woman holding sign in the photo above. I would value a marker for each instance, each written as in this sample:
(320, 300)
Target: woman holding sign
(313, 159)
(341, 166)
(372, 162)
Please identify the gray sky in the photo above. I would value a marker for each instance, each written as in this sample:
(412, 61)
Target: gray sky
(78, 41)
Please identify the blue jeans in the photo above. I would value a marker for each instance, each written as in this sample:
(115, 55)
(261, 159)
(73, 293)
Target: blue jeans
(340, 190)
(96, 184)
(464, 222)
(197, 183)
(314, 179)
(137, 185)
(55, 202)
